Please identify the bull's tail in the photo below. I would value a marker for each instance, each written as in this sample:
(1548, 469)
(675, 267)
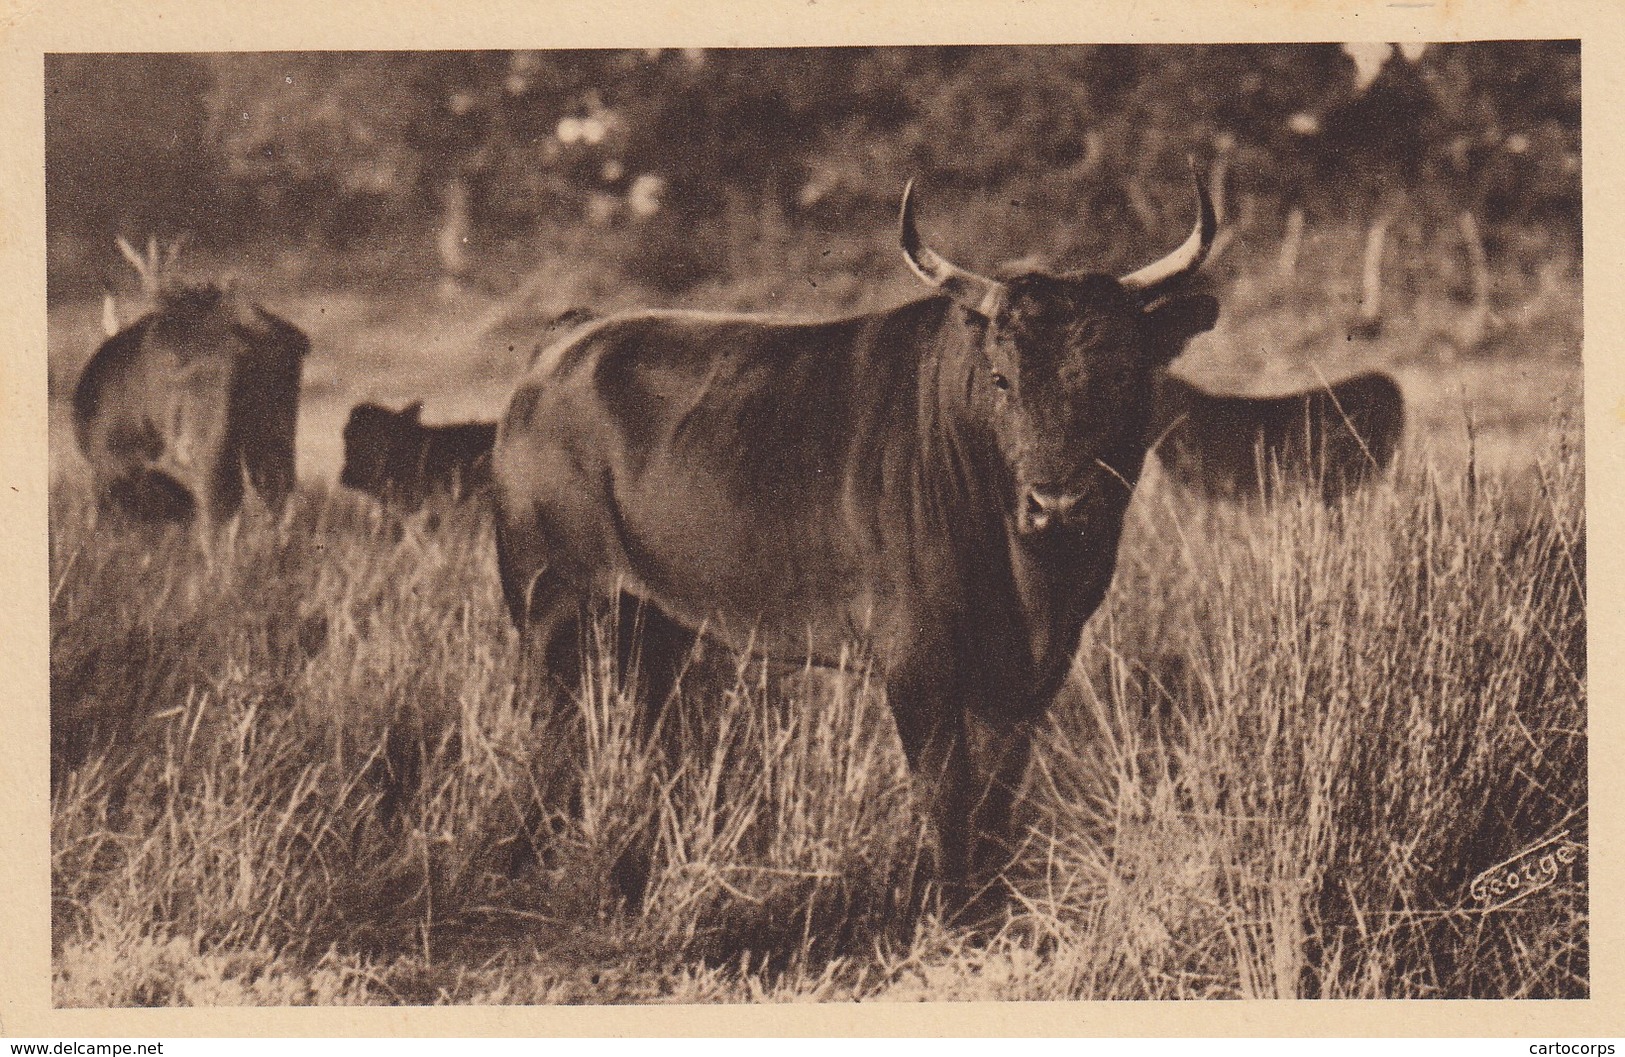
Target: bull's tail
(505, 572)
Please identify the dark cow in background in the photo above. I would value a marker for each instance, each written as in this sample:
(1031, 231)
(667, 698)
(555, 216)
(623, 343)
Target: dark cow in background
(1330, 439)
(944, 482)
(196, 400)
(392, 455)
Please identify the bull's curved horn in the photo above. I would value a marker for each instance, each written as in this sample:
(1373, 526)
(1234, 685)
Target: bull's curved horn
(1184, 261)
(975, 292)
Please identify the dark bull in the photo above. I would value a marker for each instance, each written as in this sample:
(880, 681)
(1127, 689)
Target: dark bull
(944, 482)
(1330, 439)
(392, 455)
(182, 409)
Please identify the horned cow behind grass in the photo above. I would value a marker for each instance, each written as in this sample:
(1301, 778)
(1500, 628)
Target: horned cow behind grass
(282, 757)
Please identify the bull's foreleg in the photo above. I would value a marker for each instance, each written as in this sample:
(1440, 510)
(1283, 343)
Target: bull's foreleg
(933, 735)
(999, 752)
(970, 770)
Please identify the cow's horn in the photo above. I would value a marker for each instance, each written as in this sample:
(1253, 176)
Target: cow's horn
(1183, 262)
(977, 293)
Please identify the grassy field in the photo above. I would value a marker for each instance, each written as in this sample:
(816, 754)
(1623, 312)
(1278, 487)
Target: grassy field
(285, 760)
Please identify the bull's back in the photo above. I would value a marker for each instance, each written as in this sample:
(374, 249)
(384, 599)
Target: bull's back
(184, 404)
(764, 410)
(145, 398)
(724, 466)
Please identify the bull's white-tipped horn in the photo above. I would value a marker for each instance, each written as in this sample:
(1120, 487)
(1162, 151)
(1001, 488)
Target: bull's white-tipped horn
(1182, 262)
(110, 324)
(975, 292)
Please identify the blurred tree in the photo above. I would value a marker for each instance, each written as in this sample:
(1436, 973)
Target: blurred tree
(678, 161)
(1508, 143)
(125, 155)
(351, 141)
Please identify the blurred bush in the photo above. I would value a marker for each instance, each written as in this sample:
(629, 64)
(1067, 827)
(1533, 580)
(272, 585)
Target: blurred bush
(683, 160)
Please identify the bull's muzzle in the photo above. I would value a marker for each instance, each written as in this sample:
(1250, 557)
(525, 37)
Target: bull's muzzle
(1047, 506)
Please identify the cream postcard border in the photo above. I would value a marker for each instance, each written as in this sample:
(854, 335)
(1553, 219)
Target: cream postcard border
(28, 31)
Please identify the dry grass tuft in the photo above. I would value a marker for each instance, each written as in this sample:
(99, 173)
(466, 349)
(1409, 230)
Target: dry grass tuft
(286, 761)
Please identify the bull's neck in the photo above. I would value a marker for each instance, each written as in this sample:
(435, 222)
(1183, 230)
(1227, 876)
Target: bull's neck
(1063, 577)
(961, 468)
(1038, 591)
(1172, 400)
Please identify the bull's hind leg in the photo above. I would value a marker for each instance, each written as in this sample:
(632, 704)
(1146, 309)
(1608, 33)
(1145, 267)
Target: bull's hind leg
(652, 652)
(549, 681)
(551, 620)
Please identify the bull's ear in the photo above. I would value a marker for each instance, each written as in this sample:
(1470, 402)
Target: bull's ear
(1175, 322)
(413, 411)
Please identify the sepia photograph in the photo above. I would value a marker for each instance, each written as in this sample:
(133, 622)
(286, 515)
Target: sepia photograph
(738, 525)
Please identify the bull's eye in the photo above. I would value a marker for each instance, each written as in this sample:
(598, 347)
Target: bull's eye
(1000, 381)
